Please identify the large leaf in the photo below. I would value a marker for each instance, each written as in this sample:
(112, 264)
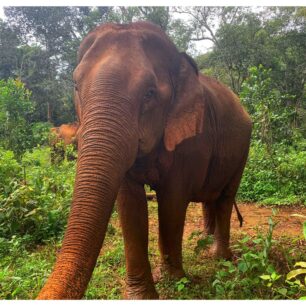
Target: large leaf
(295, 273)
(301, 264)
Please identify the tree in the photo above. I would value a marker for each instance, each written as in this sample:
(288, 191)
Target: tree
(16, 109)
(209, 23)
(57, 33)
(51, 37)
(286, 30)
(272, 119)
(8, 46)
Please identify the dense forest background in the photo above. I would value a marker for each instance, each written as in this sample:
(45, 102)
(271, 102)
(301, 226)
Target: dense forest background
(39, 47)
(259, 52)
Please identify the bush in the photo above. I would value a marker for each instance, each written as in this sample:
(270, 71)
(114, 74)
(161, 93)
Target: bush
(271, 111)
(257, 272)
(16, 110)
(38, 204)
(275, 172)
(274, 178)
(41, 133)
(10, 171)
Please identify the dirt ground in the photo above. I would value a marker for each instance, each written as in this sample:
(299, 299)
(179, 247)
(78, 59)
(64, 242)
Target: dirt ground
(255, 218)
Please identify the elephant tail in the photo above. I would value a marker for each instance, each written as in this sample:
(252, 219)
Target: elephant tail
(238, 214)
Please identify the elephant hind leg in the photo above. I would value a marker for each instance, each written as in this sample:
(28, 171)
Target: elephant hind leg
(223, 210)
(209, 217)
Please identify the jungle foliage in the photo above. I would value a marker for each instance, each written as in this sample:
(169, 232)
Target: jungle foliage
(18, 131)
(34, 195)
(276, 168)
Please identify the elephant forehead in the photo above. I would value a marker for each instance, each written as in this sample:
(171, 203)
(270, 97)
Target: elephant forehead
(125, 39)
(112, 42)
(112, 51)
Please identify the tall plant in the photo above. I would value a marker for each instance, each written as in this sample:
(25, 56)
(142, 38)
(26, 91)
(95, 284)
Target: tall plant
(270, 109)
(16, 109)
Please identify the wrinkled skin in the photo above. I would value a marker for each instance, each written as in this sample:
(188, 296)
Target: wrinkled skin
(65, 134)
(147, 117)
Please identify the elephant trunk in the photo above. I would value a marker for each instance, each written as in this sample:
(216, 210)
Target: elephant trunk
(106, 151)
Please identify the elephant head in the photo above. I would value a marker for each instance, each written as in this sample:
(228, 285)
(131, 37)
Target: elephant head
(133, 90)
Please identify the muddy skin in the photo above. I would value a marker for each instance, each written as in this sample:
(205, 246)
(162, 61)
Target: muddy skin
(147, 116)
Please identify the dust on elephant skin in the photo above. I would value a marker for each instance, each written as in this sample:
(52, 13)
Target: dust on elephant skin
(147, 116)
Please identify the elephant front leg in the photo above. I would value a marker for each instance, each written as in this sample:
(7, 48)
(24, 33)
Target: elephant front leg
(171, 215)
(133, 212)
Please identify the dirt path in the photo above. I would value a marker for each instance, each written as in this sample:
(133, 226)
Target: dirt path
(255, 217)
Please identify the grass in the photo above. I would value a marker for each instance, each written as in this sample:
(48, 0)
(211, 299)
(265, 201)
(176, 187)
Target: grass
(22, 277)
(258, 270)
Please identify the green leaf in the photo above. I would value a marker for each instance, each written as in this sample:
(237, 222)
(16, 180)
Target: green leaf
(302, 298)
(301, 264)
(180, 287)
(265, 277)
(282, 291)
(184, 280)
(275, 276)
(295, 273)
(304, 229)
(226, 264)
(242, 266)
(32, 212)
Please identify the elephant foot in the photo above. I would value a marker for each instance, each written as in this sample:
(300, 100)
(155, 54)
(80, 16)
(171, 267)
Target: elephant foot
(132, 293)
(218, 251)
(140, 289)
(168, 271)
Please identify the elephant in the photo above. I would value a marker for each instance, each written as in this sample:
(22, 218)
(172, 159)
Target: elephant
(147, 116)
(60, 137)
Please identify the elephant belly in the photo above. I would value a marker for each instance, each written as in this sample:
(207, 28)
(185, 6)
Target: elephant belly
(202, 174)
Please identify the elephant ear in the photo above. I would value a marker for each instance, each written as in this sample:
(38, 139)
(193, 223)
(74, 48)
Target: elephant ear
(85, 45)
(185, 118)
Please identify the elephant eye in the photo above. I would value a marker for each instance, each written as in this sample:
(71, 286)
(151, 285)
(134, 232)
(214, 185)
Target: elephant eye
(149, 94)
(149, 102)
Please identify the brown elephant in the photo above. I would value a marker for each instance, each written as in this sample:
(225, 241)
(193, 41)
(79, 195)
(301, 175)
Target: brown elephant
(147, 116)
(60, 137)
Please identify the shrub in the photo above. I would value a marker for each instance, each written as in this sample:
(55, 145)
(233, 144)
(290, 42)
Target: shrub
(274, 178)
(10, 171)
(275, 171)
(16, 110)
(41, 133)
(271, 112)
(255, 274)
(37, 205)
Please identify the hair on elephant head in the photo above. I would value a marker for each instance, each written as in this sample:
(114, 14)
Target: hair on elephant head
(147, 116)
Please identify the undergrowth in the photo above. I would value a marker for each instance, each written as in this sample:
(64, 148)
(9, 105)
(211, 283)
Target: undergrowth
(259, 269)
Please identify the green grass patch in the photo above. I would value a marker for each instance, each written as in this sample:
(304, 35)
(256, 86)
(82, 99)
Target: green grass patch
(258, 271)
